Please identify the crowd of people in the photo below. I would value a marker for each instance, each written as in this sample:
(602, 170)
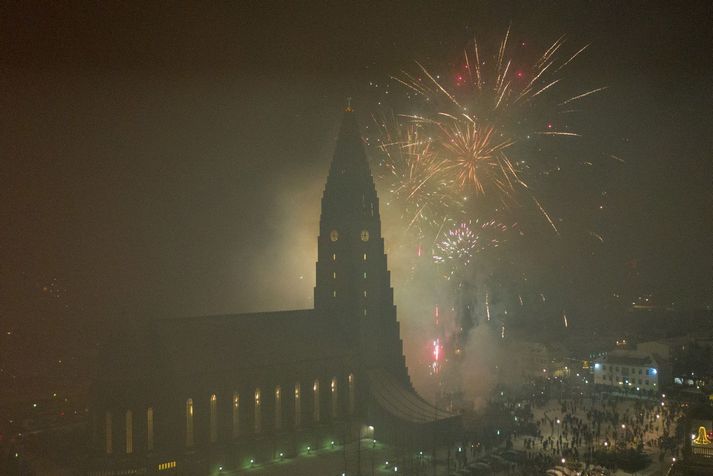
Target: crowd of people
(567, 425)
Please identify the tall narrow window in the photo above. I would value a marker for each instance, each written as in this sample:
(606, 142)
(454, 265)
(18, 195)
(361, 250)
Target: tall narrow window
(213, 418)
(278, 407)
(149, 428)
(298, 406)
(364, 257)
(315, 398)
(350, 380)
(236, 414)
(108, 433)
(129, 432)
(334, 294)
(334, 275)
(333, 389)
(189, 422)
(258, 412)
(334, 257)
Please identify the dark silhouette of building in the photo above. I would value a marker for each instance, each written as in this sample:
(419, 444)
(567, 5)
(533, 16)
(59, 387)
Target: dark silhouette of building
(190, 395)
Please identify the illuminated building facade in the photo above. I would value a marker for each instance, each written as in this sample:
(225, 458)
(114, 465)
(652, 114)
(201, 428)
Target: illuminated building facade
(630, 370)
(193, 395)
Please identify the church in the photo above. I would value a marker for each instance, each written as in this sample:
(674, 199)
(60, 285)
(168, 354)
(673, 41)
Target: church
(198, 394)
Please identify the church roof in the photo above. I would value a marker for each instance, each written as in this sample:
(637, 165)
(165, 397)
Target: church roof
(630, 357)
(215, 344)
(403, 402)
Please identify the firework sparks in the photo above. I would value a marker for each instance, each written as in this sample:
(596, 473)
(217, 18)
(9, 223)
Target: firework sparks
(463, 241)
(461, 145)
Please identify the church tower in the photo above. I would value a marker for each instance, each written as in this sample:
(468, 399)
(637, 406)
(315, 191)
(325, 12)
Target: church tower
(353, 282)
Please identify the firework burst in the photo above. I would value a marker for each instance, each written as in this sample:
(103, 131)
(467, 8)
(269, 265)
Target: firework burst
(455, 251)
(461, 146)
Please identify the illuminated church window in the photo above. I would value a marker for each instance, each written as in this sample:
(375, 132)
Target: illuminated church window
(149, 428)
(108, 433)
(278, 407)
(350, 381)
(364, 257)
(213, 418)
(129, 432)
(334, 257)
(315, 398)
(334, 397)
(298, 406)
(258, 412)
(236, 414)
(334, 275)
(189, 422)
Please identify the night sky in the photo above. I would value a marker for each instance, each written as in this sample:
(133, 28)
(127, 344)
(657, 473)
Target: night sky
(167, 158)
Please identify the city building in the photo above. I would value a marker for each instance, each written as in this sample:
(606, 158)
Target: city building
(195, 395)
(526, 360)
(628, 369)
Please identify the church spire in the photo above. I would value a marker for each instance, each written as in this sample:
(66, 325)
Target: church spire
(353, 282)
(349, 184)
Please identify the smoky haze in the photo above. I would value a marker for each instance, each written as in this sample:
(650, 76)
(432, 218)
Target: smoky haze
(170, 161)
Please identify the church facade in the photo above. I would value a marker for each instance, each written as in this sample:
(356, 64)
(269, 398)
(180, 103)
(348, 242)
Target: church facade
(192, 395)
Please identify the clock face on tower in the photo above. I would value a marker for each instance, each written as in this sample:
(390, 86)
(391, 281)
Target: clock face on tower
(334, 235)
(364, 235)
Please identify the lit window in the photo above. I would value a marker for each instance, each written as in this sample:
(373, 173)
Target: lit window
(129, 432)
(213, 418)
(168, 465)
(108, 433)
(298, 406)
(364, 274)
(365, 293)
(258, 414)
(364, 257)
(364, 312)
(333, 388)
(334, 256)
(149, 428)
(334, 275)
(236, 414)
(189, 422)
(315, 398)
(278, 408)
(334, 294)
(350, 380)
